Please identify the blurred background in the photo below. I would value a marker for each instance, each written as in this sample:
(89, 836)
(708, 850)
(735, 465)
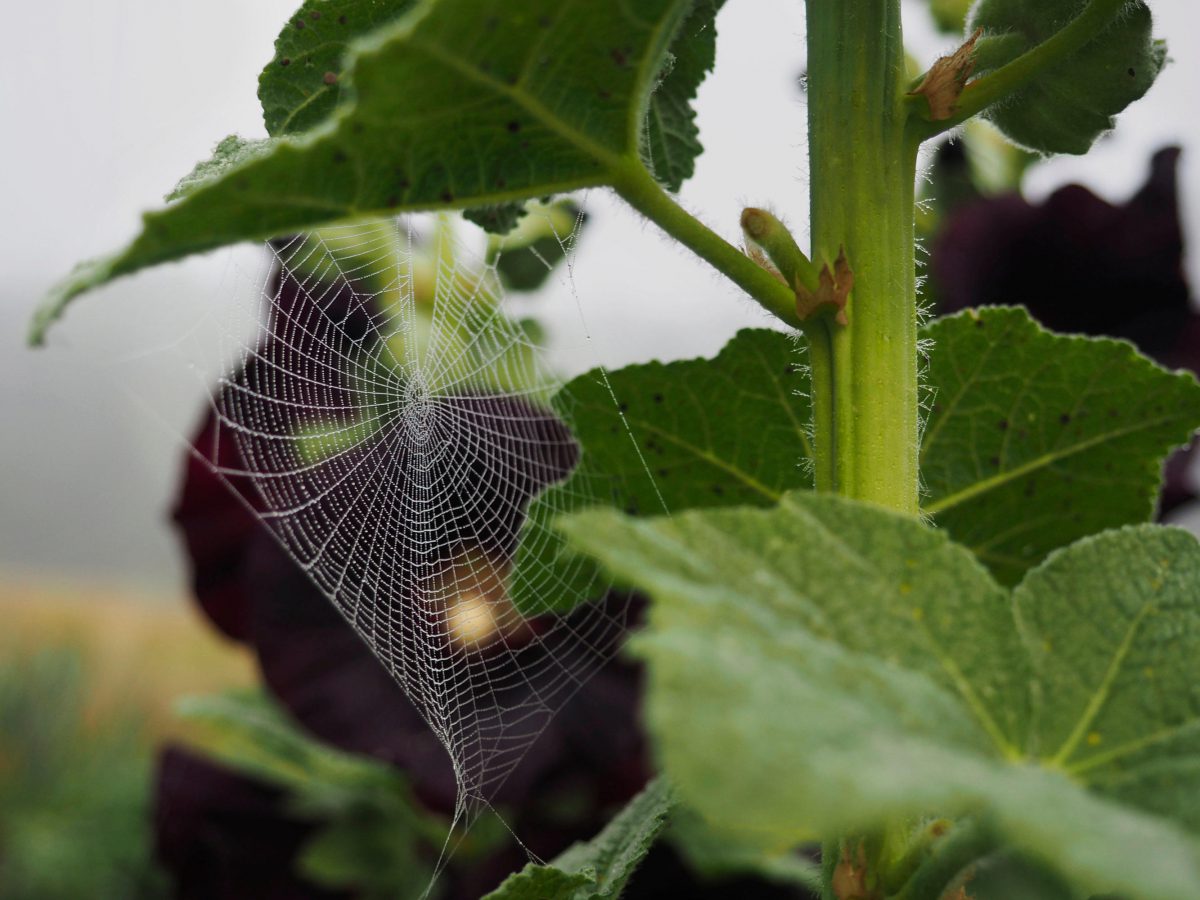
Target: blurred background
(108, 105)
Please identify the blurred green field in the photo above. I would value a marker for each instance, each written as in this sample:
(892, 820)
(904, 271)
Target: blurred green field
(87, 681)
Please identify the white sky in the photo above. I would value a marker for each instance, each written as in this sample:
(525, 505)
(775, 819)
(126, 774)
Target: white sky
(108, 104)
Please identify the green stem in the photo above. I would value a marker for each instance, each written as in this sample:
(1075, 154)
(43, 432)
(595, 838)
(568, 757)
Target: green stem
(967, 843)
(863, 175)
(1011, 77)
(636, 186)
(831, 853)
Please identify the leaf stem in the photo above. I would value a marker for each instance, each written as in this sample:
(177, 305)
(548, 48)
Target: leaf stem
(1011, 77)
(967, 843)
(639, 189)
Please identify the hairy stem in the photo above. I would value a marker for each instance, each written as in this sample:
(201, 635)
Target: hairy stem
(1011, 77)
(863, 174)
(636, 186)
(820, 365)
(966, 844)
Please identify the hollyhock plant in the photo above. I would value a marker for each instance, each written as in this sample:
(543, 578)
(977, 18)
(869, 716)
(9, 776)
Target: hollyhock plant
(943, 639)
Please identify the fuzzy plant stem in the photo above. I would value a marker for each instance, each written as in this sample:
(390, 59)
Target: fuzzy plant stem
(862, 177)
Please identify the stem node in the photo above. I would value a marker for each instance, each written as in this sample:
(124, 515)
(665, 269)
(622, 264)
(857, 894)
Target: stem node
(832, 292)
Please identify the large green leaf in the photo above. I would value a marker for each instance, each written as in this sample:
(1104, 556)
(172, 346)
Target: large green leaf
(459, 103)
(302, 84)
(600, 868)
(1067, 107)
(823, 666)
(1036, 439)
(720, 432)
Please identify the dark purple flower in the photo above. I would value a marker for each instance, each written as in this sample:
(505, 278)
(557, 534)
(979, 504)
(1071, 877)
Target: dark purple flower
(226, 836)
(1079, 263)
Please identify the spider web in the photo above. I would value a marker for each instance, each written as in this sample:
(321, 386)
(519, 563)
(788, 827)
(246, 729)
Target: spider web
(390, 420)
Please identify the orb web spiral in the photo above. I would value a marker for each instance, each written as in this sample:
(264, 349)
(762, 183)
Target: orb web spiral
(390, 420)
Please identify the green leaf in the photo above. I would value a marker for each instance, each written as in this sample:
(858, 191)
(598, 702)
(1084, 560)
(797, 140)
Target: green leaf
(823, 666)
(672, 138)
(536, 882)
(1066, 108)
(600, 868)
(367, 854)
(1036, 439)
(1113, 628)
(458, 103)
(371, 832)
(731, 430)
(230, 153)
(526, 256)
(303, 83)
(949, 15)
(248, 732)
(499, 218)
(720, 853)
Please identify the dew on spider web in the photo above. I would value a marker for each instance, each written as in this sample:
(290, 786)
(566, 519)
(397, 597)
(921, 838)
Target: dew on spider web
(390, 420)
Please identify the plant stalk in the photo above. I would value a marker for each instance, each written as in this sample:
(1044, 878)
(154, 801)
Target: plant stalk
(862, 177)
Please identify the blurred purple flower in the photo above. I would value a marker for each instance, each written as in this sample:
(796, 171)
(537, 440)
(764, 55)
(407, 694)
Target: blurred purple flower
(223, 835)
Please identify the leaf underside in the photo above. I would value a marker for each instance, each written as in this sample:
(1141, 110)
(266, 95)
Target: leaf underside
(1065, 109)
(406, 106)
